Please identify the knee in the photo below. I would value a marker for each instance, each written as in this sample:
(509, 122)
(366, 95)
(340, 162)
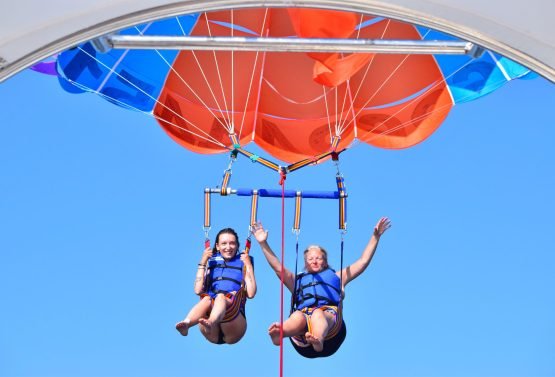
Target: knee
(317, 313)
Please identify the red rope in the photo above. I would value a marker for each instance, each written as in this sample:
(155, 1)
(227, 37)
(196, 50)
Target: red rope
(282, 183)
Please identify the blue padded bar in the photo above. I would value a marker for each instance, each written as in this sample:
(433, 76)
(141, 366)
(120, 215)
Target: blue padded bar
(276, 193)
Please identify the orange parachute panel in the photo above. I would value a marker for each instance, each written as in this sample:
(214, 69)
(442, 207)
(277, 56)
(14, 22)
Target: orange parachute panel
(215, 92)
(295, 103)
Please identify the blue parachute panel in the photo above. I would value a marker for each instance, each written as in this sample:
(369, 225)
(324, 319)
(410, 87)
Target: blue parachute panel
(471, 78)
(128, 78)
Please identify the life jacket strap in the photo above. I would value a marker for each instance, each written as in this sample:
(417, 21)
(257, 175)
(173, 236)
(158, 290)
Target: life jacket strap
(220, 278)
(220, 265)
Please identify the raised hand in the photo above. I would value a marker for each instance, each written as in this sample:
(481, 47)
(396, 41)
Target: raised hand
(259, 232)
(383, 224)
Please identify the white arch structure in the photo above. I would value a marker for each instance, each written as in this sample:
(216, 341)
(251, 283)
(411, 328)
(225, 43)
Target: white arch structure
(31, 30)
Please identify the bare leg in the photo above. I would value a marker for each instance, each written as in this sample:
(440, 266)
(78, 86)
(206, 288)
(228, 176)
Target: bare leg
(294, 325)
(321, 322)
(216, 315)
(234, 329)
(197, 312)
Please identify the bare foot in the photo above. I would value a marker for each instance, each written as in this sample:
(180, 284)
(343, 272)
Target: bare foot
(207, 324)
(316, 343)
(273, 331)
(182, 327)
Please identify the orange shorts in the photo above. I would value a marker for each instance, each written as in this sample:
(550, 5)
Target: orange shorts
(300, 340)
(236, 307)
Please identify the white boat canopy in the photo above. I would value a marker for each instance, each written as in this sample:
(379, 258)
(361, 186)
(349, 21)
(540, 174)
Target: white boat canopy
(32, 30)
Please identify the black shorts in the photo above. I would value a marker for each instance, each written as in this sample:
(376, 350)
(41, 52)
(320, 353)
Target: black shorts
(330, 345)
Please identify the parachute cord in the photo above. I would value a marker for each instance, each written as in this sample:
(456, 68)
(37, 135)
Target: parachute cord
(282, 274)
(125, 105)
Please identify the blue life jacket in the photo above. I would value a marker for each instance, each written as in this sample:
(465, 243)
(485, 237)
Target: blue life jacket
(224, 276)
(318, 289)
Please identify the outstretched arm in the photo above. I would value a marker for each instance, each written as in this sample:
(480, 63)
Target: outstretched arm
(357, 268)
(261, 236)
(250, 281)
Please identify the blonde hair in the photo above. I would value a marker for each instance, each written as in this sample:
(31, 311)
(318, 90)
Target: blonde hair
(324, 253)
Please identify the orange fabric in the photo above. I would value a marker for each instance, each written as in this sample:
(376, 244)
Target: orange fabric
(211, 92)
(297, 99)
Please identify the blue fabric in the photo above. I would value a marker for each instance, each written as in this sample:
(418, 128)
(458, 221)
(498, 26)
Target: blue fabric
(317, 289)
(470, 78)
(128, 78)
(224, 276)
(276, 193)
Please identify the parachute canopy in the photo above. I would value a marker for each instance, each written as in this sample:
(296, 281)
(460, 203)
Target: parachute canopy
(291, 104)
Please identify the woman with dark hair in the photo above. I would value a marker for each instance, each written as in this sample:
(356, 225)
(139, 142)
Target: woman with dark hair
(316, 327)
(224, 280)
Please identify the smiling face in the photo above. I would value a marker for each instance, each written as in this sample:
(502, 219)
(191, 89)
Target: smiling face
(227, 245)
(315, 259)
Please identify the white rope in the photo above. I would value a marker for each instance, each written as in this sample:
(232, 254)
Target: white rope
(410, 102)
(219, 75)
(184, 82)
(147, 113)
(252, 80)
(151, 97)
(290, 100)
(440, 108)
(232, 130)
(344, 125)
(328, 113)
(219, 120)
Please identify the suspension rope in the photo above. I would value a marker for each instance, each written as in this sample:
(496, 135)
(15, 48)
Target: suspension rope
(205, 80)
(423, 116)
(217, 68)
(263, 27)
(149, 96)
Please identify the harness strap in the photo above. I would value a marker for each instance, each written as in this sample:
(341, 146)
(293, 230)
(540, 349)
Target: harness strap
(225, 266)
(319, 299)
(314, 283)
(219, 278)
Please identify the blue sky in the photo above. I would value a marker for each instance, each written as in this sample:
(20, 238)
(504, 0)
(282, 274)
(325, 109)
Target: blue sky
(101, 230)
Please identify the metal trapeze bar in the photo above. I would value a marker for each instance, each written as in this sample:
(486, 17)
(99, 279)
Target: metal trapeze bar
(269, 44)
(276, 193)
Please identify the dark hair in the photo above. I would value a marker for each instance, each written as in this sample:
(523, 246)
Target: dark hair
(226, 231)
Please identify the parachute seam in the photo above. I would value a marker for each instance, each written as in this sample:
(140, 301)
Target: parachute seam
(500, 66)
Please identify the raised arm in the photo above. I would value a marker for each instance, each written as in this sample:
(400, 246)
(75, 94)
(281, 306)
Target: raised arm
(201, 270)
(357, 268)
(250, 281)
(261, 236)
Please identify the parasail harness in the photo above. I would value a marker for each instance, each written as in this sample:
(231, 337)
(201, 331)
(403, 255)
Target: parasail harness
(255, 194)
